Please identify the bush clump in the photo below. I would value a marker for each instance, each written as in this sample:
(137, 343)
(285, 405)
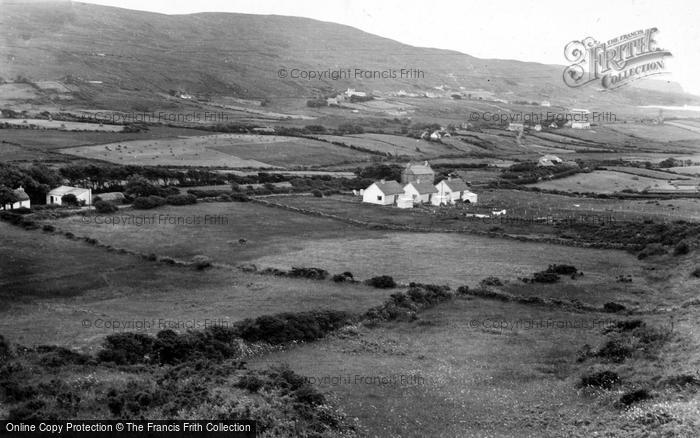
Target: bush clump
(631, 397)
(601, 379)
(491, 281)
(345, 277)
(562, 269)
(148, 202)
(613, 307)
(310, 273)
(288, 327)
(105, 207)
(681, 249)
(381, 282)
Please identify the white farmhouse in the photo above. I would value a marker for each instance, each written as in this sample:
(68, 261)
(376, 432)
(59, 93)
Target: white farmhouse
(22, 200)
(84, 196)
(581, 125)
(549, 160)
(382, 193)
(451, 190)
(420, 191)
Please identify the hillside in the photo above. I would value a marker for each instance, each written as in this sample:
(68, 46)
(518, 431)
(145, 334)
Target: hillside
(106, 55)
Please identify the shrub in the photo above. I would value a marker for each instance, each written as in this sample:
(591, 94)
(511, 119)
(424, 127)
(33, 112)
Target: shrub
(545, 277)
(317, 193)
(634, 396)
(310, 273)
(681, 249)
(613, 307)
(491, 281)
(615, 350)
(287, 327)
(48, 228)
(105, 207)
(562, 269)
(69, 199)
(344, 277)
(652, 249)
(126, 348)
(148, 202)
(381, 282)
(602, 379)
(250, 382)
(181, 199)
(201, 262)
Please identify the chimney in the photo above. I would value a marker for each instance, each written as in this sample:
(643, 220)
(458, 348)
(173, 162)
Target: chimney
(382, 180)
(426, 163)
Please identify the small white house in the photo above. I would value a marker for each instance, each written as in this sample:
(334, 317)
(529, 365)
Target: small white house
(581, 125)
(22, 200)
(420, 191)
(546, 103)
(515, 127)
(549, 160)
(452, 190)
(84, 196)
(382, 193)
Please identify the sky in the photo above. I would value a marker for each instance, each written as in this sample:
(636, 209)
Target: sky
(526, 30)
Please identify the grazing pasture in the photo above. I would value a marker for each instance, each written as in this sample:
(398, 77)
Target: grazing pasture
(224, 150)
(604, 181)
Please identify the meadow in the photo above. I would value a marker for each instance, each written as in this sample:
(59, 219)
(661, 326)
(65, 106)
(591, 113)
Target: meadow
(604, 181)
(223, 150)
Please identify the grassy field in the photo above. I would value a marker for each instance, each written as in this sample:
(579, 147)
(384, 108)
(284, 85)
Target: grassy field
(50, 285)
(279, 238)
(391, 144)
(67, 126)
(649, 173)
(660, 133)
(604, 181)
(229, 150)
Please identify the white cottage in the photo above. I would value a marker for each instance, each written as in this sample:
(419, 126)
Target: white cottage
(382, 193)
(420, 191)
(84, 196)
(451, 190)
(22, 200)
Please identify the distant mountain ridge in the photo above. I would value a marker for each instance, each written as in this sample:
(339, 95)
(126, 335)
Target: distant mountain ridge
(240, 55)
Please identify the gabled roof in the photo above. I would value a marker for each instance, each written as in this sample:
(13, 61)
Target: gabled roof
(456, 184)
(389, 187)
(423, 187)
(20, 194)
(64, 190)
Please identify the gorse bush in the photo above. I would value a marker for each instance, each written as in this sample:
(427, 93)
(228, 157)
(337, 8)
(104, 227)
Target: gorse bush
(381, 282)
(105, 207)
(181, 199)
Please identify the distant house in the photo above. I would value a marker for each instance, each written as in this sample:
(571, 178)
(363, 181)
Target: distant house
(382, 193)
(22, 200)
(549, 160)
(553, 125)
(84, 196)
(537, 127)
(546, 103)
(351, 92)
(415, 172)
(435, 135)
(420, 191)
(452, 190)
(581, 125)
(515, 127)
(332, 101)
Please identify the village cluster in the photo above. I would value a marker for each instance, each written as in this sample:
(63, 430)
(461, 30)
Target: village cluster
(417, 187)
